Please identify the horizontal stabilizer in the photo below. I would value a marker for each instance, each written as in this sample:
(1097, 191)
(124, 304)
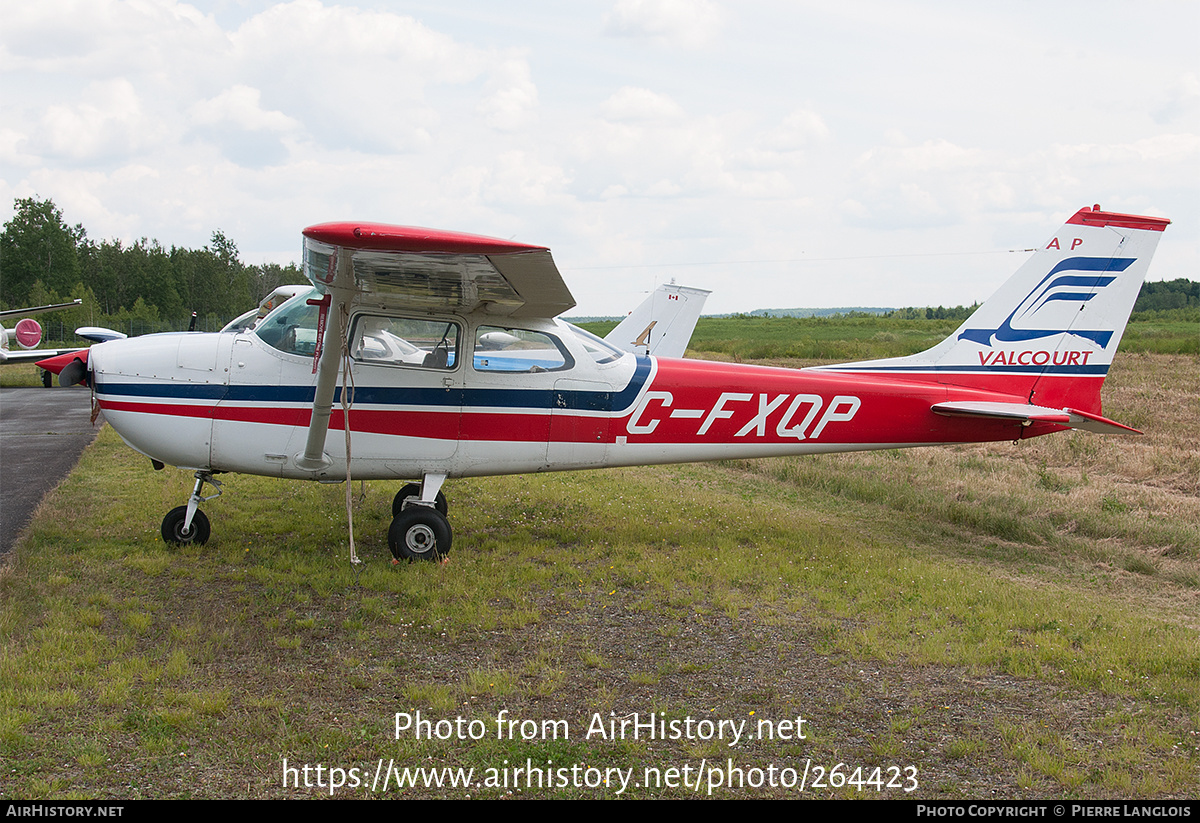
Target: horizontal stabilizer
(1026, 414)
(1096, 423)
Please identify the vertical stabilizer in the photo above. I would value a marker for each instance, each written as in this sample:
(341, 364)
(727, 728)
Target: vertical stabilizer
(1049, 334)
(663, 324)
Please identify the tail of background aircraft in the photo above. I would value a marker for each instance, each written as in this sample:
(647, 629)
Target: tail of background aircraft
(663, 324)
(1048, 336)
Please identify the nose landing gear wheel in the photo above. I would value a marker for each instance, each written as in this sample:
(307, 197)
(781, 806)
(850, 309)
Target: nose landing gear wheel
(172, 527)
(419, 533)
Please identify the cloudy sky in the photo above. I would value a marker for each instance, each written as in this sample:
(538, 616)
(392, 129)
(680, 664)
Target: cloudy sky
(779, 152)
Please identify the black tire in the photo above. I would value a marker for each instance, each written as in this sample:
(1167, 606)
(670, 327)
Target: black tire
(414, 490)
(420, 533)
(172, 528)
(47, 379)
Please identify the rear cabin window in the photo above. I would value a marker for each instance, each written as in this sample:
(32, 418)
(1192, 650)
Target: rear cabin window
(518, 351)
(598, 349)
(401, 341)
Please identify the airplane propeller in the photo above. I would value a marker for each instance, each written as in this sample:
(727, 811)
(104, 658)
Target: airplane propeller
(74, 372)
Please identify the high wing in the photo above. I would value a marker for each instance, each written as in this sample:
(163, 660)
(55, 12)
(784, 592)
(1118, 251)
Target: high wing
(403, 266)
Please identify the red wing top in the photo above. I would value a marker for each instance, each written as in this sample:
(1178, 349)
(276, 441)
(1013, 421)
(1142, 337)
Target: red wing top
(382, 237)
(420, 269)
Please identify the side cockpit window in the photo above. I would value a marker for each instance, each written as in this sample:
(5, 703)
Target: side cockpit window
(400, 341)
(518, 351)
(292, 327)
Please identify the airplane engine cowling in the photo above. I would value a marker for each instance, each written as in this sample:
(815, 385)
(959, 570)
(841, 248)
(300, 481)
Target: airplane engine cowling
(28, 333)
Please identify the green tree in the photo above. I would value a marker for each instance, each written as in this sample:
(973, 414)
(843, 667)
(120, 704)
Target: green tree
(37, 244)
(233, 287)
(1168, 294)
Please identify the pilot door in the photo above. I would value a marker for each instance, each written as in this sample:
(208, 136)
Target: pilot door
(406, 398)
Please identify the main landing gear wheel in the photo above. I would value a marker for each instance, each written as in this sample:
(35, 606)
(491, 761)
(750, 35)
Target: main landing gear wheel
(172, 527)
(414, 490)
(420, 533)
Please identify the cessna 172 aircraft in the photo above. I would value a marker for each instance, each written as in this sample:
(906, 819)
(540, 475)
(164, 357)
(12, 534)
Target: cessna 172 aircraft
(452, 364)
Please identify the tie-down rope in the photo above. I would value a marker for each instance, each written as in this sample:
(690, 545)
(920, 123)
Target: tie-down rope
(347, 402)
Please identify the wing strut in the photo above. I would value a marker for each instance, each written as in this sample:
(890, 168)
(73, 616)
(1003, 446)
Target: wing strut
(340, 284)
(332, 350)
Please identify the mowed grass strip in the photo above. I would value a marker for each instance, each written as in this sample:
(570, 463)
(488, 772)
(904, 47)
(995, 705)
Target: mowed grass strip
(1012, 620)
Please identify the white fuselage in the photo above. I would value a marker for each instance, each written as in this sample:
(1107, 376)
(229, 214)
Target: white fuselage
(231, 402)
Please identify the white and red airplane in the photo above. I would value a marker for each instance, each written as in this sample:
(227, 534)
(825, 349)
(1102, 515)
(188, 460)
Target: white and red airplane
(452, 364)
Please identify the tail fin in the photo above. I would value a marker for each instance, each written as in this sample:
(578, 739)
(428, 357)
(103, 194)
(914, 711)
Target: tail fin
(1049, 334)
(663, 324)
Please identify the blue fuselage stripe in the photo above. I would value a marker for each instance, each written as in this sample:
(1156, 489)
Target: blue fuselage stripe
(539, 399)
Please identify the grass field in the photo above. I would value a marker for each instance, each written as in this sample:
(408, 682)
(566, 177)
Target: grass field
(864, 337)
(997, 621)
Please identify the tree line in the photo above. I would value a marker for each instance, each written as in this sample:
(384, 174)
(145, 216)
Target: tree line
(140, 285)
(1168, 294)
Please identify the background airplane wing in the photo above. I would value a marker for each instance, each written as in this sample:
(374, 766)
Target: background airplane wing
(11, 356)
(7, 313)
(28, 334)
(407, 267)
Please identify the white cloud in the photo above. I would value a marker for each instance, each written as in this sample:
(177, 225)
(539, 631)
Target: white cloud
(511, 95)
(105, 37)
(109, 122)
(246, 133)
(240, 106)
(356, 79)
(631, 104)
(1183, 100)
(689, 23)
(799, 130)
(798, 126)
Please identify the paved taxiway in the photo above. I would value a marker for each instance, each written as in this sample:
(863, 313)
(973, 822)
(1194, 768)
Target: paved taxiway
(42, 434)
